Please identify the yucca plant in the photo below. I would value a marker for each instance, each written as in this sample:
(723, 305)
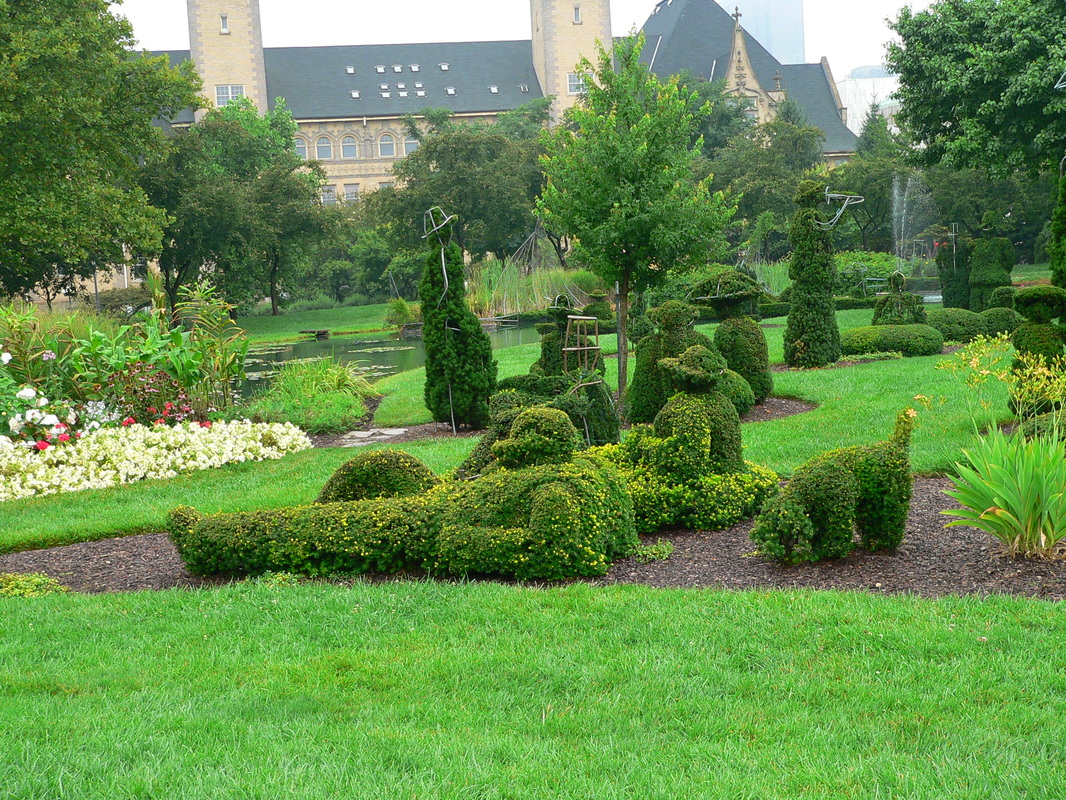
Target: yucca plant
(1015, 490)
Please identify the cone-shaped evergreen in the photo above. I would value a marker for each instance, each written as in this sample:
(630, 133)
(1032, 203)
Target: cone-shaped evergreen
(953, 267)
(1057, 247)
(460, 369)
(812, 338)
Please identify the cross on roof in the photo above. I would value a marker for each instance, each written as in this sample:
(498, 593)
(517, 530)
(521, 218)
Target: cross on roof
(737, 15)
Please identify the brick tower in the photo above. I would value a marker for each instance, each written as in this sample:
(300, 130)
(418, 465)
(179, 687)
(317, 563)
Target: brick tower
(563, 32)
(226, 45)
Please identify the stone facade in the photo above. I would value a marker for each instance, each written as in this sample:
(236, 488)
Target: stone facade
(564, 31)
(226, 44)
(741, 81)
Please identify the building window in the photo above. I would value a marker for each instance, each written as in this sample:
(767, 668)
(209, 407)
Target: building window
(380, 68)
(418, 85)
(420, 93)
(494, 90)
(450, 91)
(410, 144)
(523, 88)
(401, 94)
(577, 15)
(415, 68)
(575, 83)
(397, 67)
(329, 195)
(223, 94)
(387, 146)
(324, 149)
(350, 70)
(349, 147)
(301, 147)
(225, 24)
(355, 94)
(444, 66)
(351, 193)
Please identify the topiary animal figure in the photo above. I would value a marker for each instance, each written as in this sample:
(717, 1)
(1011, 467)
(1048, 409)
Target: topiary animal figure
(377, 473)
(990, 267)
(812, 338)
(651, 387)
(460, 369)
(865, 489)
(742, 344)
(953, 268)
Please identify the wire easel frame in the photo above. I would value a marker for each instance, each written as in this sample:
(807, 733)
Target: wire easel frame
(845, 200)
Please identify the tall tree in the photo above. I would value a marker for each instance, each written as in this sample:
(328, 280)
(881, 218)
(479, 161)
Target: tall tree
(620, 179)
(721, 117)
(977, 82)
(76, 118)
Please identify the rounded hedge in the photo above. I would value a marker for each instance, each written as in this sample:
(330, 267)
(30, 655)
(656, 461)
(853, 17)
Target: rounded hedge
(957, 324)
(377, 473)
(910, 340)
(1040, 304)
(1039, 339)
(1002, 297)
(899, 308)
(737, 391)
(1000, 320)
(540, 435)
(742, 344)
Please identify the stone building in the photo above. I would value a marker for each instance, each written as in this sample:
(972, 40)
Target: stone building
(350, 101)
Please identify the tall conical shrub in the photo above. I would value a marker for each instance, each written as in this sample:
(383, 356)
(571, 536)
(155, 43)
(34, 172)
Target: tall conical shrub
(460, 369)
(812, 338)
(1057, 246)
(990, 267)
(953, 268)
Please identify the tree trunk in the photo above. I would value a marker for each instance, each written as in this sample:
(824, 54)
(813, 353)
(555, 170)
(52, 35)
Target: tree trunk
(274, 311)
(623, 339)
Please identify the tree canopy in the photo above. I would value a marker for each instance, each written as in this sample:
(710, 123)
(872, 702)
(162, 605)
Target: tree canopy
(620, 177)
(977, 82)
(75, 120)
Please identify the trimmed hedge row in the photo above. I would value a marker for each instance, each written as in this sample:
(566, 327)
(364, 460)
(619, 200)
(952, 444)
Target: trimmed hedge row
(911, 340)
(769, 310)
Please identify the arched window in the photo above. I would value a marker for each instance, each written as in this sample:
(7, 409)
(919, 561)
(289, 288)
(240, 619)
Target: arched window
(301, 147)
(387, 146)
(410, 144)
(349, 148)
(324, 149)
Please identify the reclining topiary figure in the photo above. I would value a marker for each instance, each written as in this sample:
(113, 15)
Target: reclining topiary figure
(898, 307)
(545, 511)
(865, 489)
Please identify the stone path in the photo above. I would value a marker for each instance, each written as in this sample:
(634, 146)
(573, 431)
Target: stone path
(361, 438)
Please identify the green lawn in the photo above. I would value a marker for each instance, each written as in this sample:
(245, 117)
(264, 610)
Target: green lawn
(1031, 272)
(445, 690)
(346, 321)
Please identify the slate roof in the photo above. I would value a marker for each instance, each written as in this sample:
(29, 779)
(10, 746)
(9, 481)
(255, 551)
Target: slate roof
(681, 34)
(697, 35)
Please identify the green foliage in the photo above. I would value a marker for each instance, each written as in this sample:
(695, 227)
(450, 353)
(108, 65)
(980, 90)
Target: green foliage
(953, 267)
(1002, 297)
(551, 361)
(320, 396)
(812, 338)
(651, 386)
(865, 488)
(695, 434)
(696, 371)
(1039, 339)
(600, 308)
(987, 67)
(1000, 320)
(32, 584)
(377, 474)
(620, 178)
(911, 340)
(957, 324)
(78, 113)
(737, 390)
(729, 293)
(538, 436)
(660, 551)
(899, 308)
(399, 312)
(1041, 304)
(460, 369)
(990, 267)
(548, 522)
(1013, 489)
(1056, 247)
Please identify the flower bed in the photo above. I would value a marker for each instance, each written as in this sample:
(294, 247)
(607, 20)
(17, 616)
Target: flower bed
(113, 456)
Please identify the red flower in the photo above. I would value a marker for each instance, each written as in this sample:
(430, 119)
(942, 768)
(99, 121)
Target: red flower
(128, 421)
(64, 437)
(42, 445)
(160, 422)
(205, 424)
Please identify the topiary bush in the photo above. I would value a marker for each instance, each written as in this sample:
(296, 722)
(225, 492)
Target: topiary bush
(651, 387)
(377, 473)
(957, 324)
(538, 435)
(899, 308)
(990, 267)
(729, 294)
(460, 369)
(812, 338)
(865, 489)
(1040, 304)
(1056, 248)
(910, 340)
(600, 308)
(1000, 320)
(742, 344)
(953, 267)
(1002, 297)
(737, 391)
(1038, 335)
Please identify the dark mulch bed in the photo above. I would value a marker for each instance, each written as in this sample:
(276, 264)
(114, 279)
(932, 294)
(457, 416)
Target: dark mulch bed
(932, 562)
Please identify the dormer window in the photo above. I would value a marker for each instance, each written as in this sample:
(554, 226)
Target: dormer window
(397, 67)
(401, 86)
(418, 85)
(402, 94)
(494, 89)
(384, 87)
(380, 69)
(450, 91)
(386, 95)
(415, 68)
(444, 66)
(350, 70)
(420, 93)
(224, 19)
(524, 88)
(355, 94)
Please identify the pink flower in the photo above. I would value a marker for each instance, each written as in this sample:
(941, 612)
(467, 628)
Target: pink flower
(160, 422)
(42, 445)
(128, 421)
(205, 424)
(64, 437)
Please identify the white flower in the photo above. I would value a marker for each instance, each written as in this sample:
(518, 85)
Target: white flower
(26, 393)
(50, 420)
(33, 415)
(5, 358)
(42, 402)
(72, 417)
(5, 443)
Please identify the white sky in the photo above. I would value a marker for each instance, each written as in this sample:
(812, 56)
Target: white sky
(850, 33)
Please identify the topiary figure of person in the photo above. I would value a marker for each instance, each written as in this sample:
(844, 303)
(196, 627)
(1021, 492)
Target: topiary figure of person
(599, 307)
(460, 369)
(377, 473)
(699, 427)
(812, 338)
(539, 435)
(1057, 245)
(729, 294)
(742, 344)
(898, 307)
(551, 360)
(990, 267)
(953, 268)
(651, 387)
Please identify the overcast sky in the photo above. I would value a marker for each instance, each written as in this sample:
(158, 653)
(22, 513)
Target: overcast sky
(850, 33)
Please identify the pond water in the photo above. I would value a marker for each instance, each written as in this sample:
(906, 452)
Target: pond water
(375, 357)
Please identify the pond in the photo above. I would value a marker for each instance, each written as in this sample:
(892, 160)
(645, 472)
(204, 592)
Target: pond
(374, 357)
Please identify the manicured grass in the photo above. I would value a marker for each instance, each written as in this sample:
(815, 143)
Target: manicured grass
(346, 321)
(443, 690)
(143, 507)
(1031, 272)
